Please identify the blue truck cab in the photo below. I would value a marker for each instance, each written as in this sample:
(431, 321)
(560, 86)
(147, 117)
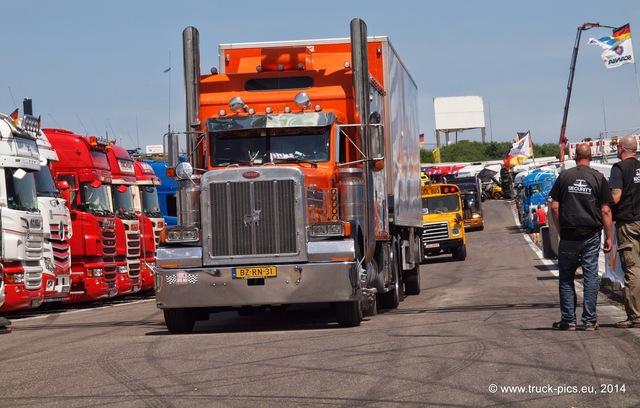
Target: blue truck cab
(166, 192)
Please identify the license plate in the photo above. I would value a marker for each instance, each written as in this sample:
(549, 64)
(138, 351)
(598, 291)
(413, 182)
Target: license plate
(136, 288)
(436, 245)
(66, 289)
(34, 303)
(254, 272)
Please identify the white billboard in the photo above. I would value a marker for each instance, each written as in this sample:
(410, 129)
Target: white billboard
(459, 112)
(155, 149)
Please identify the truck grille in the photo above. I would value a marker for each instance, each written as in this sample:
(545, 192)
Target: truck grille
(32, 275)
(435, 232)
(253, 218)
(133, 245)
(60, 247)
(109, 243)
(33, 246)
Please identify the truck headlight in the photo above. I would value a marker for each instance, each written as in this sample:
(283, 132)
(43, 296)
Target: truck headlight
(94, 272)
(329, 229)
(182, 234)
(48, 264)
(14, 278)
(455, 231)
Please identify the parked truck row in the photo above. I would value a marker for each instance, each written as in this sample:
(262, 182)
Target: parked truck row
(300, 184)
(80, 217)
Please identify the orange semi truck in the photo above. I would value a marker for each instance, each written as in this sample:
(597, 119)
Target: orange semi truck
(84, 170)
(302, 183)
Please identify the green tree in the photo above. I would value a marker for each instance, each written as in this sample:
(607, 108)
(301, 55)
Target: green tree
(468, 151)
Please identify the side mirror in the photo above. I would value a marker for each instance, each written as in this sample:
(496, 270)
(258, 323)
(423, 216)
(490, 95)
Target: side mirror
(63, 185)
(458, 217)
(184, 171)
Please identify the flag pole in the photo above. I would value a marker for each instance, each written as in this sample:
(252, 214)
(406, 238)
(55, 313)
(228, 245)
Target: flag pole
(533, 156)
(635, 68)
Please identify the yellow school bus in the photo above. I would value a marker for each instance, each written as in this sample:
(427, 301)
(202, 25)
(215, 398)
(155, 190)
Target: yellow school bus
(443, 222)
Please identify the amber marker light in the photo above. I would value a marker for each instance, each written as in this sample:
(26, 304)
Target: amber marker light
(169, 265)
(347, 229)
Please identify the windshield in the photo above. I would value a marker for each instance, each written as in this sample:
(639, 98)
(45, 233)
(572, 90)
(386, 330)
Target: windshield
(21, 190)
(44, 183)
(534, 189)
(150, 202)
(122, 199)
(470, 202)
(256, 146)
(95, 200)
(440, 204)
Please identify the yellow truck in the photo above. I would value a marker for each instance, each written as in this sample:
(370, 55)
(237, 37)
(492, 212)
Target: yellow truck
(443, 221)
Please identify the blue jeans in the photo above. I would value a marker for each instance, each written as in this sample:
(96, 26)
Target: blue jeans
(572, 254)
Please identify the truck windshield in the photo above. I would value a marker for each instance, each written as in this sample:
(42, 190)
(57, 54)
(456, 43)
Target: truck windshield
(150, 201)
(122, 200)
(21, 190)
(95, 200)
(440, 204)
(534, 189)
(256, 146)
(44, 183)
(470, 202)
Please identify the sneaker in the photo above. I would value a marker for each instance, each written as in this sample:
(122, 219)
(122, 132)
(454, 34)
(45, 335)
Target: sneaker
(564, 326)
(627, 324)
(591, 326)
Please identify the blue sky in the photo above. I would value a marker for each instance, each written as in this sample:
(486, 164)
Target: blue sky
(97, 67)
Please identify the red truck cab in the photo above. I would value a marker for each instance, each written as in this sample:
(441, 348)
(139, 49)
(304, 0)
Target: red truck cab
(83, 165)
(127, 222)
(152, 222)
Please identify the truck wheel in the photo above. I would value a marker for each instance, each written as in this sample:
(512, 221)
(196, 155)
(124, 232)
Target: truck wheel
(412, 281)
(348, 314)
(179, 321)
(391, 299)
(461, 253)
(497, 196)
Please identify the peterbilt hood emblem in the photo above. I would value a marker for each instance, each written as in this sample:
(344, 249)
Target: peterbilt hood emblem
(250, 174)
(252, 219)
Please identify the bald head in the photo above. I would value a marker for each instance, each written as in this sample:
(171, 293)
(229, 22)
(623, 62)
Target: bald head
(627, 146)
(583, 153)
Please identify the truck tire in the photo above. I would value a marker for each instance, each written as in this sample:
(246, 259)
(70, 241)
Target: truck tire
(412, 277)
(497, 196)
(348, 314)
(179, 321)
(391, 299)
(461, 253)
(412, 281)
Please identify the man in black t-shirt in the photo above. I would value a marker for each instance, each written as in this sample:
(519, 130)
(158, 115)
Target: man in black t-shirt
(625, 189)
(580, 209)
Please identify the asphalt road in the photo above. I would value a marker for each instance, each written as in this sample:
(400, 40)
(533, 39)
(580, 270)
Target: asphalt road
(479, 334)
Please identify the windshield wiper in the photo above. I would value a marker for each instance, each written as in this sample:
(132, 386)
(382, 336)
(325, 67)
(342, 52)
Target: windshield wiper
(223, 160)
(295, 160)
(22, 208)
